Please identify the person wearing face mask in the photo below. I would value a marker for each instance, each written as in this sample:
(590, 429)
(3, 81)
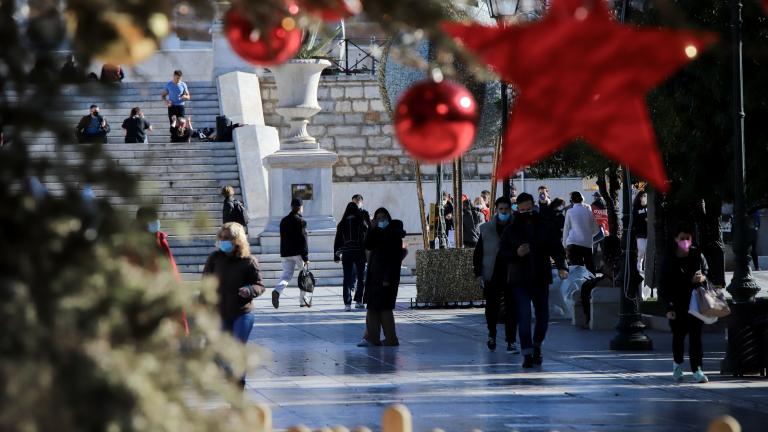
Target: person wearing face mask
(491, 277)
(640, 227)
(578, 233)
(683, 270)
(528, 247)
(384, 243)
(471, 220)
(364, 215)
(557, 213)
(239, 281)
(148, 221)
(93, 128)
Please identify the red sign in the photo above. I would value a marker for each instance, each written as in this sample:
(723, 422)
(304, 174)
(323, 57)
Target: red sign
(601, 216)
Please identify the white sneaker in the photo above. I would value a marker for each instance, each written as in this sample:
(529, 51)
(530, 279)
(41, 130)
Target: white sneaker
(699, 376)
(348, 308)
(677, 373)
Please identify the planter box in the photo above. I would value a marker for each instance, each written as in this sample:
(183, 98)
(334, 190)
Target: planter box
(445, 275)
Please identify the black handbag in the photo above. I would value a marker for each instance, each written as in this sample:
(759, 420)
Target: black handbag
(306, 281)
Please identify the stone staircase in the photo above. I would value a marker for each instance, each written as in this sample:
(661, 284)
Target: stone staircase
(182, 179)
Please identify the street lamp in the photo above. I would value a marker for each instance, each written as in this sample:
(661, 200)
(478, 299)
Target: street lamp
(500, 10)
(630, 335)
(743, 328)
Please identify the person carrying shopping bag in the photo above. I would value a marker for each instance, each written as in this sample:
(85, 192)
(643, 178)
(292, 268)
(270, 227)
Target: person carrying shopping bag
(683, 270)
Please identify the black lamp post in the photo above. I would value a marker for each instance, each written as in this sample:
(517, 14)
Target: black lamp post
(499, 10)
(743, 333)
(630, 335)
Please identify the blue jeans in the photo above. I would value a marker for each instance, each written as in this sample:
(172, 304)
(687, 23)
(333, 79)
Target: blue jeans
(539, 296)
(353, 263)
(241, 327)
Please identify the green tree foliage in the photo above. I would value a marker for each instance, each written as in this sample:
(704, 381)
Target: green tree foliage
(91, 333)
(692, 110)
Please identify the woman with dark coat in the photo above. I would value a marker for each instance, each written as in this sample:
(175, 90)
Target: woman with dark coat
(348, 247)
(683, 270)
(239, 281)
(384, 243)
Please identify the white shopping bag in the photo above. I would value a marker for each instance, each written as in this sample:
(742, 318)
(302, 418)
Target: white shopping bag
(693, 309)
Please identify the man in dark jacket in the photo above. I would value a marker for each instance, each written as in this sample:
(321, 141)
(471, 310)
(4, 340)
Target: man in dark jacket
(526, 247)
(364, 215)
(294, 251)
(93, 128)
(471, 220)
(491, 278)
(348, 248)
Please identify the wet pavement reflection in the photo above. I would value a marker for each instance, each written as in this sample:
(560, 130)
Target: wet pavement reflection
(443, 372)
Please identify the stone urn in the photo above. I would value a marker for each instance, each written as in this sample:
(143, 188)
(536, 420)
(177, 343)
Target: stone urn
(297, 81)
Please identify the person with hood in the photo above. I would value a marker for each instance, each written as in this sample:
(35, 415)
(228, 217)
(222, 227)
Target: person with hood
(683, 270)
(384, 243)
(239, 281)
(471, 220)
(527, 247)
(294, 251)
(348, 248)
(148, 221)
(93, 128)
(491, 276)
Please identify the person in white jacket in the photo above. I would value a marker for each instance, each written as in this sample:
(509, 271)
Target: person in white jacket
(578, 233)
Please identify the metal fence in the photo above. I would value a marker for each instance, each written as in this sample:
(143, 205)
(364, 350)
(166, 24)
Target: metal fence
(357, 56)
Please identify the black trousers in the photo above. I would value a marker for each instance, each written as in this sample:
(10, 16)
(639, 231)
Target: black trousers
(175, 110)
(687, 325)
(494, 297)
(580, 255)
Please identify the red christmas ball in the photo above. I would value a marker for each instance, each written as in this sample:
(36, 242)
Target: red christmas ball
(280, 43)
(436, 121)
(341, 9)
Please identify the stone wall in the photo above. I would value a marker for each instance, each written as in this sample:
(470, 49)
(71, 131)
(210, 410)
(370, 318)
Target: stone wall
(355, 124)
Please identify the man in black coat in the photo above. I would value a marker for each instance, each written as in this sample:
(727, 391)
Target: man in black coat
(93, 127)
(526, 247)
(294, 251)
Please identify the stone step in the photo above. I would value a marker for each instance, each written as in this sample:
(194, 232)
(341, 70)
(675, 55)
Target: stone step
(155, 154)
(170, 162)
(48, 144)
(227, 177)
(201, 100)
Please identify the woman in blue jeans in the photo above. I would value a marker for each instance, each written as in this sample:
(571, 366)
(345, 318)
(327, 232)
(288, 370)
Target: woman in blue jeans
(348, 248)
(239, 281)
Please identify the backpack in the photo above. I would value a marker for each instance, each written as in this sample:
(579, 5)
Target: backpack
(239, 214)
(306, 281)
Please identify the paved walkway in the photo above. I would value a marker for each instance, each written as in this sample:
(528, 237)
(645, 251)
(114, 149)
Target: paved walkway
(443, 372)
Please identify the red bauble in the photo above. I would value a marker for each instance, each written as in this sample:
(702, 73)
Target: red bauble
(340, 10)
(280, 44)
(436, 121)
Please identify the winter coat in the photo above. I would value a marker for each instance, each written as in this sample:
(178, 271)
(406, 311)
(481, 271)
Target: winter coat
(229, 213)
(487, 250)
(640, 222)
(85, 121)
(234, 273)
(534, 269)
(293, 236)
(471, 220)
(386, 256)
(675, 285)
(350, 235)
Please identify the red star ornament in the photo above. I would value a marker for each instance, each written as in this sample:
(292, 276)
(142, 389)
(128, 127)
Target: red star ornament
(580, 74)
